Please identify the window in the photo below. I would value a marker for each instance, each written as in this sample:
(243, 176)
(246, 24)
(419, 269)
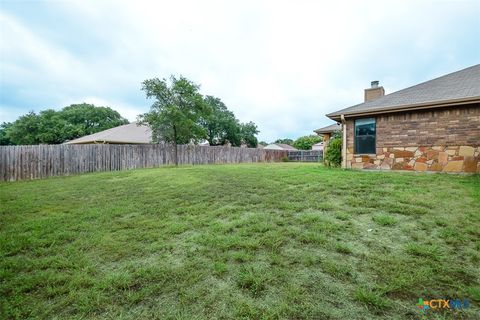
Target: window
(365, 136)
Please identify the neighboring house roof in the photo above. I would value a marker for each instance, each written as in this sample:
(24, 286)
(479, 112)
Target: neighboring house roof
(329, 129)
(456, 88)
(286, 146)
(319, 144)
(129, 133)
(280, 146)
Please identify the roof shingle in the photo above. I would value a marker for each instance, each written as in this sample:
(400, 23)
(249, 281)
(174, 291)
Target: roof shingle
(329, 129)
(128, 133)
(457, 86)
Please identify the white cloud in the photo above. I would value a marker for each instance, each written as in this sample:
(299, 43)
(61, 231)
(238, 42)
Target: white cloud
(127, 111)
(281, 64)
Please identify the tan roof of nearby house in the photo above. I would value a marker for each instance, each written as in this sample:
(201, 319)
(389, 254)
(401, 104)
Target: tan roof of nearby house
(329, 129)
(285, 146)
(460, 87)
(129, 134)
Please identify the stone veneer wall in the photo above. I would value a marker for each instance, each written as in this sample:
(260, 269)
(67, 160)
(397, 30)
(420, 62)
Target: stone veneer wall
(436, 158)
(446, 139)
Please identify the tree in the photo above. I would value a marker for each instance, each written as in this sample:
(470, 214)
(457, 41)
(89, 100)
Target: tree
(53, 127)
(306, 142)
(4, 139)
(84, 119)
(24, 130)
(284, 141)
(177, 112)
(248, 133)
(221, 125)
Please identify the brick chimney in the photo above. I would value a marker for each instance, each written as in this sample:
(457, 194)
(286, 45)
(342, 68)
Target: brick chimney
(374, 92)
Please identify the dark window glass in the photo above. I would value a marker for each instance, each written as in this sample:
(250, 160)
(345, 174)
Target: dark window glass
(365, 135)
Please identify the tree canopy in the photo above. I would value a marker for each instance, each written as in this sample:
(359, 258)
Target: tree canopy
(223, 128)
(306, 142)
(221, 125)
(284, 141)
(180, 115)
(248, 132)
(177, 111)
(53, 127)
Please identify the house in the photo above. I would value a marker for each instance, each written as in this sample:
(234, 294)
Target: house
(326, 133)
(318, 146)
(432, 126)
(131, 133)
(279, 146)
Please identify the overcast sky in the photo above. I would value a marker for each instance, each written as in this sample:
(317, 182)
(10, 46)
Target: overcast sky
(281, 64)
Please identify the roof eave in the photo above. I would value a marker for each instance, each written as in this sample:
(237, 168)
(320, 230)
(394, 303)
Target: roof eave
(323, 132)
(419, 106)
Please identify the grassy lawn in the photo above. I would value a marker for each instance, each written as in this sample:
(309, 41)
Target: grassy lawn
(262, 241)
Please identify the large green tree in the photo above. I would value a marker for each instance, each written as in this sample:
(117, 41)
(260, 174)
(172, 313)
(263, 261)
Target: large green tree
(87, 119)
(220, 125)
(24, 130)
(177, 112)
(4, 138)
(306, 142)
(248, 132)
(53, 127)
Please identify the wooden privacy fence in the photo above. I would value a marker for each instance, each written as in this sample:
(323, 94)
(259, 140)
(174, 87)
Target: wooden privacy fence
(41, 161)
(305, 155)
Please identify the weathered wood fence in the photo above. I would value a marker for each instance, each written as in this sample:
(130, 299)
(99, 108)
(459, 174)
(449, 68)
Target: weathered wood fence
(305, 155)
(41, 161)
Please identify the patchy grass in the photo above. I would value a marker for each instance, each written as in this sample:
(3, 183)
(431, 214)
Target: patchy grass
(384, 220)
(371, 298)
(261, 241)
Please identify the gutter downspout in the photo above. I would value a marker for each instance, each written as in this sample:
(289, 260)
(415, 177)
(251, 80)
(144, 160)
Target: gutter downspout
(344, 142)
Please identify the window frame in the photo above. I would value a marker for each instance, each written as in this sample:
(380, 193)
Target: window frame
(355, 144)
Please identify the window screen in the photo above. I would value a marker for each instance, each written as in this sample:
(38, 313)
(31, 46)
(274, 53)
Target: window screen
(365, 134)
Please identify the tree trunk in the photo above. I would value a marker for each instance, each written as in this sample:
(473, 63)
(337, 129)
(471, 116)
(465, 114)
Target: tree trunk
(175, 151)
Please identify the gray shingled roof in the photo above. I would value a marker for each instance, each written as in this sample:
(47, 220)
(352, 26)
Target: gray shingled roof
(329, 129)
(129, 134)
(281, 145)
(457, 86)
(286, 146)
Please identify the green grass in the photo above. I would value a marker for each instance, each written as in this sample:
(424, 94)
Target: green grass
(252, 241)
(384, 220)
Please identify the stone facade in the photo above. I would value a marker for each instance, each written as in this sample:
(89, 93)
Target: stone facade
(435, 158)
(446, 139)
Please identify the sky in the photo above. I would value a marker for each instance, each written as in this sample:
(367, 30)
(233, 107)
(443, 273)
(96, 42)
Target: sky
(280, 64)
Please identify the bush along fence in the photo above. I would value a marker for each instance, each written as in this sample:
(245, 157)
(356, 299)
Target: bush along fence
(305, 155)
(41, 161)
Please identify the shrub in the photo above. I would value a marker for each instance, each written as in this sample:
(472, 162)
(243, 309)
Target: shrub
(306, 142)
(333, 156)
(285, 159)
